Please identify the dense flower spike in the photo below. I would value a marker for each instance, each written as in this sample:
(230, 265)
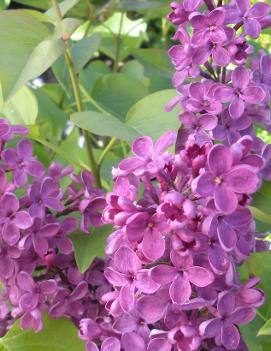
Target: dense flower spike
(182, 222)
(37, 264)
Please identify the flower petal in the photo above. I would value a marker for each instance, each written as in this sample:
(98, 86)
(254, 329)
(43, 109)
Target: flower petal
(200, 276)
(220, 159)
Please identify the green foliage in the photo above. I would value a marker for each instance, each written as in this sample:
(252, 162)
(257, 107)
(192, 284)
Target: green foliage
(89, 246)
(259, 264)
(56, 335)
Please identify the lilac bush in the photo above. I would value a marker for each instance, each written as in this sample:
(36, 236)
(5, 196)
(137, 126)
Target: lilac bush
(182, 222)
(38, 271)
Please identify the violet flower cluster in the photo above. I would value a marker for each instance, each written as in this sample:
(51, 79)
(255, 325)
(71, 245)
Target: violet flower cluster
(38, 272)
(182, 222)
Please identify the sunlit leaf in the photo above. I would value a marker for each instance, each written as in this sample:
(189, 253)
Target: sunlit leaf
(148, 116)
(56, 335)
(101, 124)
(89, 246)
(22, 108)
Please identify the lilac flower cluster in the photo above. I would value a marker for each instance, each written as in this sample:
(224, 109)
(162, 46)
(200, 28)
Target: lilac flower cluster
(38, 271)
(182, 222)
(182, 226)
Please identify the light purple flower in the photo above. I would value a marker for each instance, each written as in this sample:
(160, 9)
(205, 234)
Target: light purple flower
(224, 181)
(240, 93)
(202, 98)
(127, 274)
(22, 162)
(148, 157)
(223, 326)
(181, 276)
(250, 16)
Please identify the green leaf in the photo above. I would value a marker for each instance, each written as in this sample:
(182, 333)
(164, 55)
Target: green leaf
(81, 54)
(92, 73)
(52, 118)
(68, 27)
(40, 4)
(265, 329)
(135, 69)
(56, 335)
(89, 246)
(101, 124)
(118, 92)
(20, 33)
(260, 216)
(262, 203)
(148, 116)
(4, 4)
(64, 6)
(134, 5)
(43, 56)
(155, 60)
(258, 264)
(22, 108)
(84, 49)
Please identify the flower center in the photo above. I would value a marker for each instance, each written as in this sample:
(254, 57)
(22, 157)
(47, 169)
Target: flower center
(218, 180)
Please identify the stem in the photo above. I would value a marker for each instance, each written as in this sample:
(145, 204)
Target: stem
(77, 96)
(220, 3)
(210, 69)
(118, 44)
(106, 150)
(261, 316)
(94, 103)
(206, 75)
(237, 26)
(209, 4)
(224, 72)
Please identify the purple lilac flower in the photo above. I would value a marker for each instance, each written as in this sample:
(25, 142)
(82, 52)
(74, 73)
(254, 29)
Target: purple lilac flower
(22, 162)
(240, 93)
(250, 16)
(224, 180)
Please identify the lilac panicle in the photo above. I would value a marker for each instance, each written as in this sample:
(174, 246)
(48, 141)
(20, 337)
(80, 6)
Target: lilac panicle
(182, 222)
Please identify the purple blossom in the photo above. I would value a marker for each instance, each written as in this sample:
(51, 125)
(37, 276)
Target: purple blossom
(224, 181)
(181, 276)
(240, 93)
(128, 275)
(22, 162)
(250, 16)
(223, 326)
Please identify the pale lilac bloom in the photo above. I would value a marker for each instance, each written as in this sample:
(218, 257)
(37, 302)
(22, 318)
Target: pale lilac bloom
(127, 274)
(181, 276)
(148, 157)
(240, 93)
(45, 194)
(21, 161)
(250, 16)
(208, 27)
(224, 181)
(223, 328)
(12, 218)
(262, 76)
(202, 98)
